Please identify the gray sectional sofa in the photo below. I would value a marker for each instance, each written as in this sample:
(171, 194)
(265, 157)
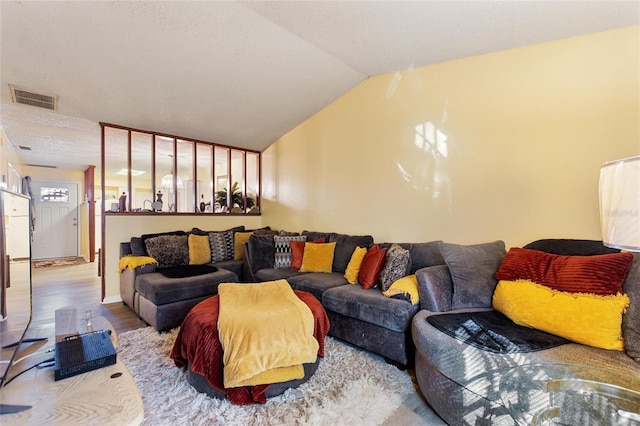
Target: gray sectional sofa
(164, 296)
(363, 317)
(461, 381)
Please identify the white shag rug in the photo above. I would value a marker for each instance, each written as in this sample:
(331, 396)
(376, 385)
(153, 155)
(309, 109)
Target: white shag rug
(350, 387)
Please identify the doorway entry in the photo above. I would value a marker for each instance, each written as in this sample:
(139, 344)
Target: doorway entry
(56, 228)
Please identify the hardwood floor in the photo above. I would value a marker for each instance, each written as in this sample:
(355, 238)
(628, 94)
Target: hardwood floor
(79, 286)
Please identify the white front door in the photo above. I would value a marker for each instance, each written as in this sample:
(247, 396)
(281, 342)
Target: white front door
(56, 210)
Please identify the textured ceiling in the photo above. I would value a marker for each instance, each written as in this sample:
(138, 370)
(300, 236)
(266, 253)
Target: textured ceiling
(239, 73)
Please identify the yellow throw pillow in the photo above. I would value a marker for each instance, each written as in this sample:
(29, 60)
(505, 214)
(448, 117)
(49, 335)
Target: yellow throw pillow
(239, 238)
(199, 249)
(318, 257)
(353, 268)
(406, 285)
(583, 318)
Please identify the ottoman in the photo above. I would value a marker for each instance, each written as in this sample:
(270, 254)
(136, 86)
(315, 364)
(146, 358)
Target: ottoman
(198, 347)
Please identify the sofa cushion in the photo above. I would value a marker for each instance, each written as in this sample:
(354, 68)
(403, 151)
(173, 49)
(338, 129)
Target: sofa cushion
(297, 252)
(199, 249)
(369, 306)
(371, 266)
(405, 288)
(239, 238)
(137, 247)
(472, 269)
(221, 246)
(273, 274)
(397, 265)
(161, 290)
(422, 254)
(187, 271)
(316, 283)
(570, 247)
(583, 318)
(318, 257)
(198, 231)
(313, 235)
(631, 319)
(345, 244)
(598, 274)
(262, 252)
(169, 250)
(235, 266)
(145, 237)
(282, 258)
(353, 268)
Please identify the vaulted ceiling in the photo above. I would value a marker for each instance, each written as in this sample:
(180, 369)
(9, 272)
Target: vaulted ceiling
(234, 72)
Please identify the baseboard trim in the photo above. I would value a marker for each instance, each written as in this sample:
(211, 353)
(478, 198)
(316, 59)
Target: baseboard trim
(111, 299)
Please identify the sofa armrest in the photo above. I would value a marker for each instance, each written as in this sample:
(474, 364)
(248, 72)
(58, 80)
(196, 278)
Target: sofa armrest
(128, 282)
(435, 287)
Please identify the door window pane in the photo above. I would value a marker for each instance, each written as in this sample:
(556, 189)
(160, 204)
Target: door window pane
(54, 195)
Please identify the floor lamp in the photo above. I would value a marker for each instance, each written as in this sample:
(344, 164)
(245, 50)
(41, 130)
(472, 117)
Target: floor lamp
(620, 203)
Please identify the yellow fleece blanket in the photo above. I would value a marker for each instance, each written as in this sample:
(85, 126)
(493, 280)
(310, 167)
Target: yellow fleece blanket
(132, 262)
(266, 333)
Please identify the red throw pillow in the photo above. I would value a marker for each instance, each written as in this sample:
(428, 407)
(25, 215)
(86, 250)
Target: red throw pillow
(297, 252)
(602, 274)
(371, 267)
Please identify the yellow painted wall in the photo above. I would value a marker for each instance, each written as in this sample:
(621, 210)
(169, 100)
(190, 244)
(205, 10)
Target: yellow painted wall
(499, 146)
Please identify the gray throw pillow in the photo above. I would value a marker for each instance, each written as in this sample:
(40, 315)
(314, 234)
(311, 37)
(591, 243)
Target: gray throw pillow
(283, 255)
(472, 269)
(345, 245)
(169, 250)
(631, 318)
(397, 265)
(137, 246)
(219, 242)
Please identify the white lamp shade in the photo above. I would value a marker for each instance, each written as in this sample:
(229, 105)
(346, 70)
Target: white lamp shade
(620, 203)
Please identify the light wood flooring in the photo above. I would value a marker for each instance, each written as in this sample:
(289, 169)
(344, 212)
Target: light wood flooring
(63, 286)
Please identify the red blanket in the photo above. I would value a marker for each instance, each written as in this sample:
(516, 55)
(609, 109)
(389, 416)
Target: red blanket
(198, 344)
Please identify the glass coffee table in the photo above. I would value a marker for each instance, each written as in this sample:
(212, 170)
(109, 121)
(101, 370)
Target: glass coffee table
(108, 395)
(570, 394)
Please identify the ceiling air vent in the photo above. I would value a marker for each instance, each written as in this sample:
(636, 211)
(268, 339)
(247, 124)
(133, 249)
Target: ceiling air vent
(43, 165)
(26, 97)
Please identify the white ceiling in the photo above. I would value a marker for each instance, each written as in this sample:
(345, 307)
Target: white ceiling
(239, 73)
